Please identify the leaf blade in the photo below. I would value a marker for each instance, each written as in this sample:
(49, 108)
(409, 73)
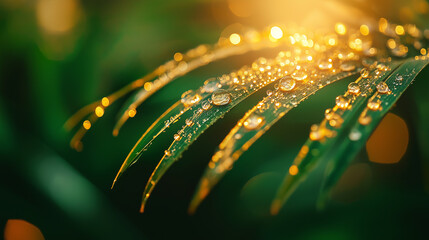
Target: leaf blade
(349, 149)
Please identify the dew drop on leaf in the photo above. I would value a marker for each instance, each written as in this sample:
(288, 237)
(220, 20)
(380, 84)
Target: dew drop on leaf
(190, 97)
(299, 75)
(347, 67)
(353, 88)
(221, 97)
(342, 102)
(210, 85)
(254, 121)
(364, 73)
(382, 88)
(316, 133)
(287, 84)
(373, 105)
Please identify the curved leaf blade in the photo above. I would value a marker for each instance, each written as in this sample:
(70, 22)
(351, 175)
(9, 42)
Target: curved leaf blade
(361, 130)
(240, 138)
(238, 86)
(325, 138)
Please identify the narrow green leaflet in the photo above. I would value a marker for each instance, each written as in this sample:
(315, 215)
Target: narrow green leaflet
(164, 74)
(226, 92)
(163, 122)
(290, 91)
(205, 56)
(333, 129)
(377, 107)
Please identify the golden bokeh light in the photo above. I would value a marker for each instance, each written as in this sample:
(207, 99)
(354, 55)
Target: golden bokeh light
(389, 142)
(391, 43)
(400, 30)
(86, 124)
(340, 28)
(276, 32)
(99, 111)
(235, 38)
(382, 24)
(17, 229)
(105, 101)
(132, 113)
(293, 170)
(147, 86)
(57, 16)
(364, 30)
(178, 57)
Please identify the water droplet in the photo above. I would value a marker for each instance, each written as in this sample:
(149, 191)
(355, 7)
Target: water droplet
(221, 97)
(399, 78)
(269, 92)
(210, 85)
(400, 51)
(336, 121)
(369, 62)
(167, 152)
(325, 65)
(190, 97)
(342, 102)
(316, 133)
(382, 67)
(287, 84)
(364, 119)
(382, 88)
(99, 111)
(347, 67)
(254, 121)
(373, 105)
(370, 52)
(353, 88)
(328, 113)
(206, 105)
(299, 75)
(177, 137)
(355, 135)
(189, 122)
(364, 73)
(86, 124)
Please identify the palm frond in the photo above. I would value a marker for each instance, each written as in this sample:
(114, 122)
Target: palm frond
(312, 60)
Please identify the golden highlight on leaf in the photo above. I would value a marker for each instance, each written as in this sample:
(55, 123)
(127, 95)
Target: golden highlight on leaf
(309, 61)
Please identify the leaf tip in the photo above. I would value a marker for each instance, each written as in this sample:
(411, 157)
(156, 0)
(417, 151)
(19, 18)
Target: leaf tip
(113, 184)
(275, 207)
(115, 132)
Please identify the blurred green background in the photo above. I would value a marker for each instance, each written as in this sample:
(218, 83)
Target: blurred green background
(59, 55)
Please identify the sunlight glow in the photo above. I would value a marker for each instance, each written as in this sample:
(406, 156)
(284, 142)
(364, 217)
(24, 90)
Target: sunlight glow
(235, 38)
(276, 32)
(340, 28)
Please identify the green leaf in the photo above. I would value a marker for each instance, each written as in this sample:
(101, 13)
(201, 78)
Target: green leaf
(333, 129)
(206, 112)
(169, 117)
(164, 74)
(361, 129)
(253, 125)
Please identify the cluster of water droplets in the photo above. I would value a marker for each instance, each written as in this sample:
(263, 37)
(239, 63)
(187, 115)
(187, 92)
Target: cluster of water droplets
(311, 61)
(358, 55)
